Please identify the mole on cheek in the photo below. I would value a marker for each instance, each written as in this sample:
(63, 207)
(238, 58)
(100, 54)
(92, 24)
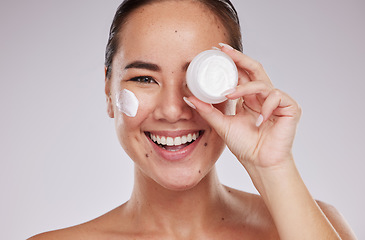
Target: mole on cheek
(205, 144)
(147, 156)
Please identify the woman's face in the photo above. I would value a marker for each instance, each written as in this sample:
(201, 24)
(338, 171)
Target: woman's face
(156, 45)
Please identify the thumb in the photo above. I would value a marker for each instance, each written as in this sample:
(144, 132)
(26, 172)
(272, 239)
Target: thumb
(215, 118)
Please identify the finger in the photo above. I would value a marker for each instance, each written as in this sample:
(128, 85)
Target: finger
(253, 94)
(271, 103)
(243, 77)
(252, 103)
(253, 68)
(279, 104)
(209, 113)
(258, 87)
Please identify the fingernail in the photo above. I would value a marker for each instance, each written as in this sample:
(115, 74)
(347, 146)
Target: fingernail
(225, 45)
(215, 48)
(259, 120)
(190, 104)
(228, 91)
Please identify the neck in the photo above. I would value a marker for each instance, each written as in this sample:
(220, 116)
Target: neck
(170, 209)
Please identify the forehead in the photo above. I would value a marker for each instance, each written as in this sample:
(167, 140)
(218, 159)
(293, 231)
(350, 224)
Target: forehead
(171, 26)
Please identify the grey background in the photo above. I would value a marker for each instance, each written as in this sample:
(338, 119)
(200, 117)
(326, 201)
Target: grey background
(61, 163)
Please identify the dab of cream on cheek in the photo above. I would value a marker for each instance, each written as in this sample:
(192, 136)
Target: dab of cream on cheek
(127, 103)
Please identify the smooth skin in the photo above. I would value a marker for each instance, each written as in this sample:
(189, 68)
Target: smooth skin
(184, 199)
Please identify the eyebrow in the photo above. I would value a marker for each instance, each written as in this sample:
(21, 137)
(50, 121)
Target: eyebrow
(143, 65)
(150, 66)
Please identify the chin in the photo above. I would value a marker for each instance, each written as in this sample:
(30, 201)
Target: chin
(179, 182)
(179, 187)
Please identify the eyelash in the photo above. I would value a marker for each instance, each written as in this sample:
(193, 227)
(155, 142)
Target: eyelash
(143, 79)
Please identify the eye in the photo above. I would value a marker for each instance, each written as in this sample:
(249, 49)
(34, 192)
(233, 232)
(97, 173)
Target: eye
(143, 79)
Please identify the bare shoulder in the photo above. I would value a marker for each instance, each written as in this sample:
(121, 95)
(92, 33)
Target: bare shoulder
(253, 215)
(337, 220)
(82, 231)
(67, 233)
(98, 228)
(253, 205)
(260, 218)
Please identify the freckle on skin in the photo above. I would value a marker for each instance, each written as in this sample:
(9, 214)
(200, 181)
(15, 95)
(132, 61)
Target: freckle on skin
(222, 219)
(205, 144)
(200, 171)
(175, 31)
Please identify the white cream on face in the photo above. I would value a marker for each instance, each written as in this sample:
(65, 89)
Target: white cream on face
(127, 103)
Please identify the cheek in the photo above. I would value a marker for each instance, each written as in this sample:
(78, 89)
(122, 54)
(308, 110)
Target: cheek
(133, 108)
(127, 103)
(130, 130)
(147, 105)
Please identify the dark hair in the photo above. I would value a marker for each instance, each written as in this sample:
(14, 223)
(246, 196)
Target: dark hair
(224, 9)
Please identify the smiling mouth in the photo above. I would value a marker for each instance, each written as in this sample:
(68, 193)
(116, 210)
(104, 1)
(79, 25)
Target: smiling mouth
(174, 144)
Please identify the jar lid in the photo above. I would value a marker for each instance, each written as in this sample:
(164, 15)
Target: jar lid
(210, 74)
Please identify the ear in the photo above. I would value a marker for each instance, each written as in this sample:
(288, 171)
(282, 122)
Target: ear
(109, 102)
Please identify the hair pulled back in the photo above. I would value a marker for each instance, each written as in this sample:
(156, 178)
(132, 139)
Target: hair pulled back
(224, 10)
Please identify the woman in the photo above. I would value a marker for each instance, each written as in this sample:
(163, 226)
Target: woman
(177, 194)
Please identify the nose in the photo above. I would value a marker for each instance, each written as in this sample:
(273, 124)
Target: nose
(171, 107)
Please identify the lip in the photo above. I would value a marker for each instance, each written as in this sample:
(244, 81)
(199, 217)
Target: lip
(176, 155)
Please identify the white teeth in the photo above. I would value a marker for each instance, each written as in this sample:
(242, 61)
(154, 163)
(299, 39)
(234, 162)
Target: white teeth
(163, 141)
(184, 140)
(189, 138)
(177, 141)
(169, 141)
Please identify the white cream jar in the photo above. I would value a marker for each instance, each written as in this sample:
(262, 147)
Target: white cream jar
(210, 74)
